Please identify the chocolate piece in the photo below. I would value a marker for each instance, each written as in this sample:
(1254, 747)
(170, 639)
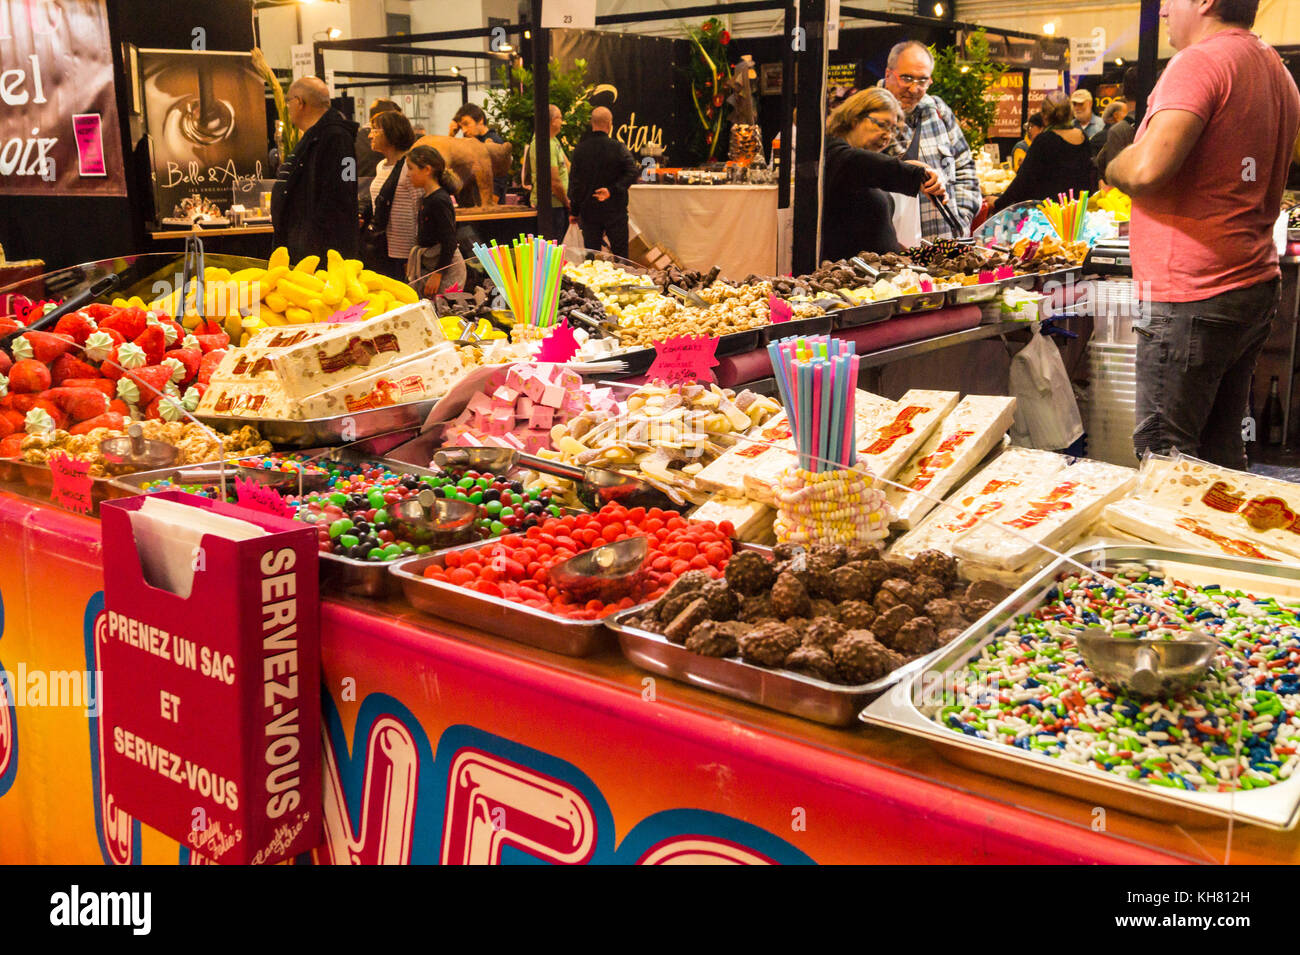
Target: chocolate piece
(995, 593)
(722, 601)
(863, 552)
(856, 614)
(814, 661)
(823, 632)
(914, 638)
(789, 597)
(768, 644)
(937, 564)
(957, 592)
(831, 555)
(717, 639)
(749, 573)
(783, 552)
(928, 588)
(799, 625)
(690, 581)
(897, 591)
(946, 614)
(887, 623)
(669, 607)
(900, 569)
(753, 609)
(948, 636)
(860, 658)
(974, 609)
(821, 608)
(851, 582)
(695, 613)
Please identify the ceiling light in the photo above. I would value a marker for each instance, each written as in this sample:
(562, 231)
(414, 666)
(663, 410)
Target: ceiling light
(505, 48)
(455, 71)
(528, 34)
(1049, 29)
(335, 33)
(1119, 61)
(938, 9)
(966, 68)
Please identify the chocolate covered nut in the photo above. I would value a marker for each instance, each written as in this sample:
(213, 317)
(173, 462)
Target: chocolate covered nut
(856, 614)
(768, 644)
(823, 632)
(749, 573)
(695, 613)
(914, 638)
(814, 661)
(946, 614)
(860, 658)
(886, 624)
(723, 602)
(716, 639)
(789, 597)
(937, 564)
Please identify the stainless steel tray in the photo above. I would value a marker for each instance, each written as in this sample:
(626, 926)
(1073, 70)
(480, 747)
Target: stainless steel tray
(1026, 281)
(340, 429)
(1060, 275)
(536, 628)
(737, 343)
(921, 301)
(831, 703)
(36, 481)
(973, 294)
(868, 313)
(1275, 807)
(817, 325)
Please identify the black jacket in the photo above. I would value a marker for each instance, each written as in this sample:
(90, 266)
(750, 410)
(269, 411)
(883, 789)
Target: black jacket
(314, 202)
(857, 212)
(1052, 166)
(600, 161)
(438, 226)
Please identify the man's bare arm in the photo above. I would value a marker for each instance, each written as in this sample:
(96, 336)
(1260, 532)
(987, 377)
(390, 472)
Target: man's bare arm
(1152, 163)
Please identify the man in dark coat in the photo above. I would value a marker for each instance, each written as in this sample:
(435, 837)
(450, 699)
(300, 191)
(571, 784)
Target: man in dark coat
(314, 202)
(599, 177)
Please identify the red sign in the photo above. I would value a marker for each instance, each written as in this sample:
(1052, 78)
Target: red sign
(72, 484)
(779, 310)
(685, 358)
(559, 346)
(351, 314)
(260, 498)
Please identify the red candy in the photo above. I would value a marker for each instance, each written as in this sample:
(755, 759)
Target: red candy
(516, 567)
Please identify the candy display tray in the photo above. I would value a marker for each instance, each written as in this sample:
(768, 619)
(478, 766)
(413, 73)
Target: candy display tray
(817, 325)
(783, 690)
(1274, 807)
(921, 301)
(36, 481)
(868, 313)
(737, 343)
(973, 294)
(339, 429)
(495, 615)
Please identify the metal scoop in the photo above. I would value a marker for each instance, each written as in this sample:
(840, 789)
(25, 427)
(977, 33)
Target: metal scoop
(1147, 668)
(136, 451)
(607, 573)
(869, 271)
(436, 521)
(596, 486)
(690, 298)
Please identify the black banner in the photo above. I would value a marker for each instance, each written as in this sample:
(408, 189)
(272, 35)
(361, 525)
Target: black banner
(638, 79)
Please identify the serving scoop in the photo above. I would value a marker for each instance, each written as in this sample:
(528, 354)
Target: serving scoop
(136, 451)
(433, 520)
(607, 573)
(596, 486)
(1145, 667)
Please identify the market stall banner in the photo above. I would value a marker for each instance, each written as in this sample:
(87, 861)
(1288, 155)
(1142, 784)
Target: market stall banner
(637, 79)
(59, 133)
(1008, 95)
(206, 118)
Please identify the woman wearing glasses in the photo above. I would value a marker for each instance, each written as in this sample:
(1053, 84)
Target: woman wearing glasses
(856, 207)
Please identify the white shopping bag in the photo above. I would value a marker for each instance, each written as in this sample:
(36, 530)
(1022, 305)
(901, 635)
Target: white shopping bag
(1047, 416)
(573, 240)
(907, 220)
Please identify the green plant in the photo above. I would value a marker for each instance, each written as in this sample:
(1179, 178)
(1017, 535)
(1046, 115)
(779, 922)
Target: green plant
(288, 132)
(962, 81)
(510, 109)
(710, 78)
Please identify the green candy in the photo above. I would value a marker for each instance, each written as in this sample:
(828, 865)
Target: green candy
(339, 498)
(349, 540)
(381, 516)
(465, 482)
(476, 497)
(376, 499)
(497, 528)
(493, 508)
(423, 549)
(392, 550)
(341, 526)
(375, 553)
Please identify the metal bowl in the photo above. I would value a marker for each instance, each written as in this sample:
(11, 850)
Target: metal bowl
(607, 573)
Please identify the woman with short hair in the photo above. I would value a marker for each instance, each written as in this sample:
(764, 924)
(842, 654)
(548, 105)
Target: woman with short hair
(1060, 159)
(396, 200)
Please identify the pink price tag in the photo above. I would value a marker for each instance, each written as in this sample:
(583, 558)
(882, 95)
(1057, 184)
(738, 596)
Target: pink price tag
(559, 346)
(259, 497)
(779, 310)
(72, 484)
(685, 358)
(350, 314)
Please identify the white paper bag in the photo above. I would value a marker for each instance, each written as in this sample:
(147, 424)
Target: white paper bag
(573, 240)
(1047, 416)
(907, 219)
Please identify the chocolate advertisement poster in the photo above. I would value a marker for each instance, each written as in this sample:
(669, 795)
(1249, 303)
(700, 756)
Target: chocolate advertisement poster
(205, 114)
(59, 132)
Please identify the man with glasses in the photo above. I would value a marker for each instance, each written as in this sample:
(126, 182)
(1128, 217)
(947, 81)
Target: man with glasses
(932, 136)
(314, 202)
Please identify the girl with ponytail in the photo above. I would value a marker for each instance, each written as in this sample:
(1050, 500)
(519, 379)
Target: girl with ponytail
(435, 251)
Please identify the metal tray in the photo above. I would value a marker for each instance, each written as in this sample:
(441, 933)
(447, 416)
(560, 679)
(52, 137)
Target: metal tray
(638, 362)
(737, 343)
(817, 325)
(1027, 281)
(921, 301)
(831, 703)
(339, 429)
(973, 294)
(536, 628)
(1276, 807)
(1060, 275)
(868, 313)
(36, 481)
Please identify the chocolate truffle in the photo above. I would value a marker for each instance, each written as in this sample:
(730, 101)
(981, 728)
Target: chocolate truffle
(790, 597)
(814, 661)
(749, 573)
(722, 601)
(937, 564)
(823, 632)
(856, 614)
(886, 624)
(860, 658)
(946, 614)
(768, 644)
(695, 613)
(716, 639)
(753, 609)
(915, 637)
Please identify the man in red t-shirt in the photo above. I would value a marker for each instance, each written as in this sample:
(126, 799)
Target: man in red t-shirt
(1206, 173)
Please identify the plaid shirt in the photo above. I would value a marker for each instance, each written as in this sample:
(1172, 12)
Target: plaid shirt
(944, 148)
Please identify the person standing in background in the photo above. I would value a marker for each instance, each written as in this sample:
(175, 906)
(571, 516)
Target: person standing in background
(470, 120)
(1120, 136)
(1084, 117)
(602, 172)
(314, 201)
(395, 197)
(933, 137)
(1206, 174)
(1059, 161)
(435, 253)
(559, 191)
(367, 158)
(1033, 127)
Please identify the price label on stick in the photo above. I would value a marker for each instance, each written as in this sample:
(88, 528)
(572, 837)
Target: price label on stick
(559, 346)
(259, 497)
(779, 310)
(72, 484)
(685, 358)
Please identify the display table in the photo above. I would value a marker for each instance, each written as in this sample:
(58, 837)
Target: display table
(732, 227)
(445, 744)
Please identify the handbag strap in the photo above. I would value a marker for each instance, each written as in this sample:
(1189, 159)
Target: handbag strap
(384, 201)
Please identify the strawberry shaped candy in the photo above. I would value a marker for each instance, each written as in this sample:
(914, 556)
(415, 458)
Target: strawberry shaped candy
(5, 363)
(209, 365)
(70, 366)
(190, 358)
(78, 403)
(154, 342)
(211, 336)
(125, 357)
(58, 417)
(14, 418)
(151, 380)
(28, 376)
(165, 408)
(130, 322)
(112, 420)
(78, 326)
(41, 346)
(6, 427)
(12, 446)
(97, 384)
(21, 403)
(118, 406)
(172, 330)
